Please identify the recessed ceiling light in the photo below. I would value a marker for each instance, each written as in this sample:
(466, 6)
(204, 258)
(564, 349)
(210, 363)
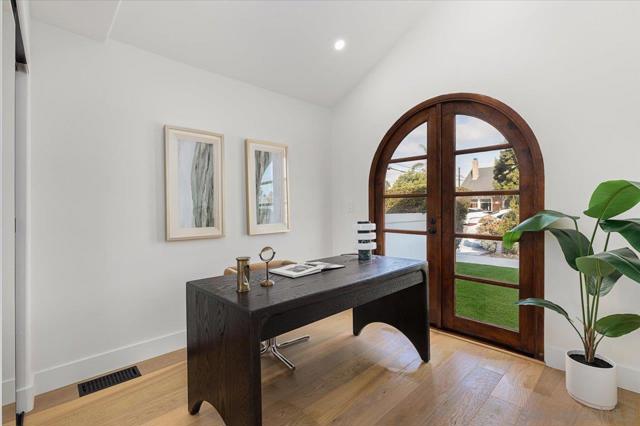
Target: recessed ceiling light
(339, 44)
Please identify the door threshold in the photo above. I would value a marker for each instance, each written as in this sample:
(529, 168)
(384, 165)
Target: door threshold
(483, 343)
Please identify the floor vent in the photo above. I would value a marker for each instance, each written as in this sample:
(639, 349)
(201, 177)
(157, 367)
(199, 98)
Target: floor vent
(108, 380)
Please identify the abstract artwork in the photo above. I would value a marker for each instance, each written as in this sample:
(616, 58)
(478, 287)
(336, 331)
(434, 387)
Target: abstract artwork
(193, 166)
(267, 187)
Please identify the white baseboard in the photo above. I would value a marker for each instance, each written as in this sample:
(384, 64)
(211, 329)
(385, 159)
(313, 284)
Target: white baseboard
(23, 396)
(628, 378)
(75, 371)
(8, 391)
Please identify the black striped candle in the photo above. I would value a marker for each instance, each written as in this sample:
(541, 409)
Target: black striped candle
(366, 236)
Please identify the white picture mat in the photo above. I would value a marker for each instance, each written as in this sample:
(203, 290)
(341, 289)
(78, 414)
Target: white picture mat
(253, 227)
(176, 203)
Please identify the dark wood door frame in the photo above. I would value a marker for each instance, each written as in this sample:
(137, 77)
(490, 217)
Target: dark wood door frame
(429, 115)
(435, 111)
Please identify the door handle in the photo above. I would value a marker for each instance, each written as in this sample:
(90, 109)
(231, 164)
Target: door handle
(432, 229)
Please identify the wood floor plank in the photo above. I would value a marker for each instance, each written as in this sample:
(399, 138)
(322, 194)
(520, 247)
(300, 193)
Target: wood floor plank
(376, 401)
(550, 383)
(466, 400)
(346, 394)
(545, 411)
(376, 378)
(208, 416)
(435, 387)
(496, 412)
(518, 382)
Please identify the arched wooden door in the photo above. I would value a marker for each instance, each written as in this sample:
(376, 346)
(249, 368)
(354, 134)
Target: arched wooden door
(448, 179)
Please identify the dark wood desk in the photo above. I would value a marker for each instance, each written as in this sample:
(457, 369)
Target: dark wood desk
(225, 328)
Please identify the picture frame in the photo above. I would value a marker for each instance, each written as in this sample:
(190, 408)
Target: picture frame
(268, 203)
(193, 184)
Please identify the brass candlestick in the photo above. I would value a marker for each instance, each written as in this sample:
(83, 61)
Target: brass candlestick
(267, 254)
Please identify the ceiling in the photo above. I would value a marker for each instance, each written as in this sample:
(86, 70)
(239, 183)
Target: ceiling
(283, 46)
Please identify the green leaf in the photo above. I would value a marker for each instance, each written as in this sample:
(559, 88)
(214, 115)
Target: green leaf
(612, 198)
(594, 266)
(538, 222)
(618, 325)
(629, 229)
(573, 244)
(603, 264)
(542, 303)
(607, 285)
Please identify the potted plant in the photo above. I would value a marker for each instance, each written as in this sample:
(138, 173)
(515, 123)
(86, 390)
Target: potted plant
(590, 377)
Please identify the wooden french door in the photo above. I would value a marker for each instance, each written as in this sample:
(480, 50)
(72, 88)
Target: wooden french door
(449, 178)
(405, 193)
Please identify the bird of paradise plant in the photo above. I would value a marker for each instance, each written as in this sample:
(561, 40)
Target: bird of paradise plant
(597, 272)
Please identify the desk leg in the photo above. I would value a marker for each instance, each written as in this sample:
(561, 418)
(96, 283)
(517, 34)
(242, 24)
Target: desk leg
(223, 360)
(406, 310)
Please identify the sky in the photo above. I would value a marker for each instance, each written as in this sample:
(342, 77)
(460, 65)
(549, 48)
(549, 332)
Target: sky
(471, 132)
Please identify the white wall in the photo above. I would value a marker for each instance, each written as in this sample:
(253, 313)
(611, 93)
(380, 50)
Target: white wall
(23, 383)
(107, 288)
(2, 218)
(8, 199)
(572, 70)
(20, 389)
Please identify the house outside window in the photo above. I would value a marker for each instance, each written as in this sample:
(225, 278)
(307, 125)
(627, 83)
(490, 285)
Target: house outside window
(486, 204)
(481, 179)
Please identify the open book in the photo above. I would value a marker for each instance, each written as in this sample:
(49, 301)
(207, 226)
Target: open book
(302, 269)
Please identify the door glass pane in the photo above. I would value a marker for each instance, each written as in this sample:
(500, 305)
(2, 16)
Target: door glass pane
(409, 177)
(406, 213)
(487, 303)
(472, 132)
(405, 245)
(487, 259)
(487, 215)
(487, 171)
(414, 144)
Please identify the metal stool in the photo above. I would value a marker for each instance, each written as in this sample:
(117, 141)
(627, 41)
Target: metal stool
(271, 345)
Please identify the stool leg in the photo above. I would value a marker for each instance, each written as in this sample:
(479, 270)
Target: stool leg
(272, 346)
(285, 361)
(292, 342)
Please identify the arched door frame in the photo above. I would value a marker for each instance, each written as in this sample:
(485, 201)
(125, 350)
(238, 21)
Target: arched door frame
(431, 111)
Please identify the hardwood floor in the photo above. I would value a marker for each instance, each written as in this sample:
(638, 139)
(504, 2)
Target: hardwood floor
(375, 379)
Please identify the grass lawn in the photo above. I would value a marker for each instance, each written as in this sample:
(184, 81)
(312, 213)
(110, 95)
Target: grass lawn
(498, 273)
(484, 302)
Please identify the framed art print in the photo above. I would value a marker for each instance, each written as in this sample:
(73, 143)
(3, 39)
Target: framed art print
(193, 173)
(267, 179)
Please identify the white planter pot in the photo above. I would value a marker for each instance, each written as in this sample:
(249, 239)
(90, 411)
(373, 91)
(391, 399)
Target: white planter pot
(592, 386)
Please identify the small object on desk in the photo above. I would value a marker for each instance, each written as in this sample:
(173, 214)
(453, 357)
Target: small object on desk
(366, 237)
(303, 269)
(243, 274)
(266, 255)
(296, 270)
(324, 265)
